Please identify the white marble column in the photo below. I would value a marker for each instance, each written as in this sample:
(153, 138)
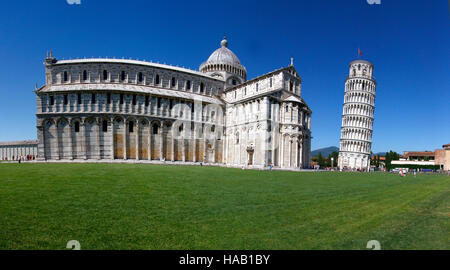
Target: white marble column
(112, 139)
(99, 122)
(137, 139)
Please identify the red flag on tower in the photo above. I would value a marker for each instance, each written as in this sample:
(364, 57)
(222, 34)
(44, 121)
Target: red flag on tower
(359, 52)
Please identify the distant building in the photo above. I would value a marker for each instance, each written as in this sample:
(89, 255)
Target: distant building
(23, 150)
(381, 159)
(440, 157)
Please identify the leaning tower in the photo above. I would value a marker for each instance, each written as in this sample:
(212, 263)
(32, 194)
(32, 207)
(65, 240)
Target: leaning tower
(357, 117)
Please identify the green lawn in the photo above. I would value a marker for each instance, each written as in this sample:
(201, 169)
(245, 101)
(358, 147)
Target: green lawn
(127, 206)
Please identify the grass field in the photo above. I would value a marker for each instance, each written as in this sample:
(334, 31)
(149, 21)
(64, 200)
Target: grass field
(126, 206)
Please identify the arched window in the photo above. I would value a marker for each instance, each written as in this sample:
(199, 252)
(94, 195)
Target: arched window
(173, 82)
(140, 77)
(291, 86)
(134, 99)
(105, 126)
(237, 138)
(147, 101)
(234, 82)
(359, 67)
(108, 98)
(257, 87)
(121, 98)
(52, 100)
(105, 75)
(180, 128)
(270, 82)
(157, 79)
(202, 88)
(65, 76)
(79, 99)
(188, 85)
(84, 75)
(155, 128)
(122, 75)
(66, 100)
(77, 126)
(93, 98)
(130, 127)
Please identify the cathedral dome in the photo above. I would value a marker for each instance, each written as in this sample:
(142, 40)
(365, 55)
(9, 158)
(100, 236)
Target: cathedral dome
(223, 59)
(223, 55)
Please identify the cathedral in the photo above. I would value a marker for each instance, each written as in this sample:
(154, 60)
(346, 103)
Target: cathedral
(105, 109)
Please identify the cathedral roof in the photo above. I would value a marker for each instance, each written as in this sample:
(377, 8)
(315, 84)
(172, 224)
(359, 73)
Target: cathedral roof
(223, 55)
(134, 62)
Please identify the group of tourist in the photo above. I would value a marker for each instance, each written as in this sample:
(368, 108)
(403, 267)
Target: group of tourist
(20, 158)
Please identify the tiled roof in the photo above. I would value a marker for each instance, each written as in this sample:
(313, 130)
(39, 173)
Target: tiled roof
(29, 142)
(418, 154)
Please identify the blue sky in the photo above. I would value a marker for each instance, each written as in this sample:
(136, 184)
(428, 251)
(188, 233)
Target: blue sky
(408, 41)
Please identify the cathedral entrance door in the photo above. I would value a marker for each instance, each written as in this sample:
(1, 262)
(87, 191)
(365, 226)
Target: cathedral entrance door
(250, 157)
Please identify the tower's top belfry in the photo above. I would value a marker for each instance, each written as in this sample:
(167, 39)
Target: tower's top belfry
(361, 68)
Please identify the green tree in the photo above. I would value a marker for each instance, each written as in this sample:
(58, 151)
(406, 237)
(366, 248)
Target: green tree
(335, 156)
(321, 160)
(390, 156)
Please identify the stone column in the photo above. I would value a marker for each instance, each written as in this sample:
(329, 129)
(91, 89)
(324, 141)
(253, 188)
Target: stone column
(184, 149)
(296, 152)
(290, 152)
(137, 139)
(84, 140)
(112, 138)
(225, 148)
(195, 143)
(282, 151)
(301, 152)
(205, 149)
(58, 150)
(99, 122)
(161, 145)
(241, 136)
(125, 128)
(172, 150)
(70, 140)
(214, 151)
(41, 139)
(149, 154)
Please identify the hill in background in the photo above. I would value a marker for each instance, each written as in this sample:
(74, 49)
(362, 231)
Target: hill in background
(325, 151)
